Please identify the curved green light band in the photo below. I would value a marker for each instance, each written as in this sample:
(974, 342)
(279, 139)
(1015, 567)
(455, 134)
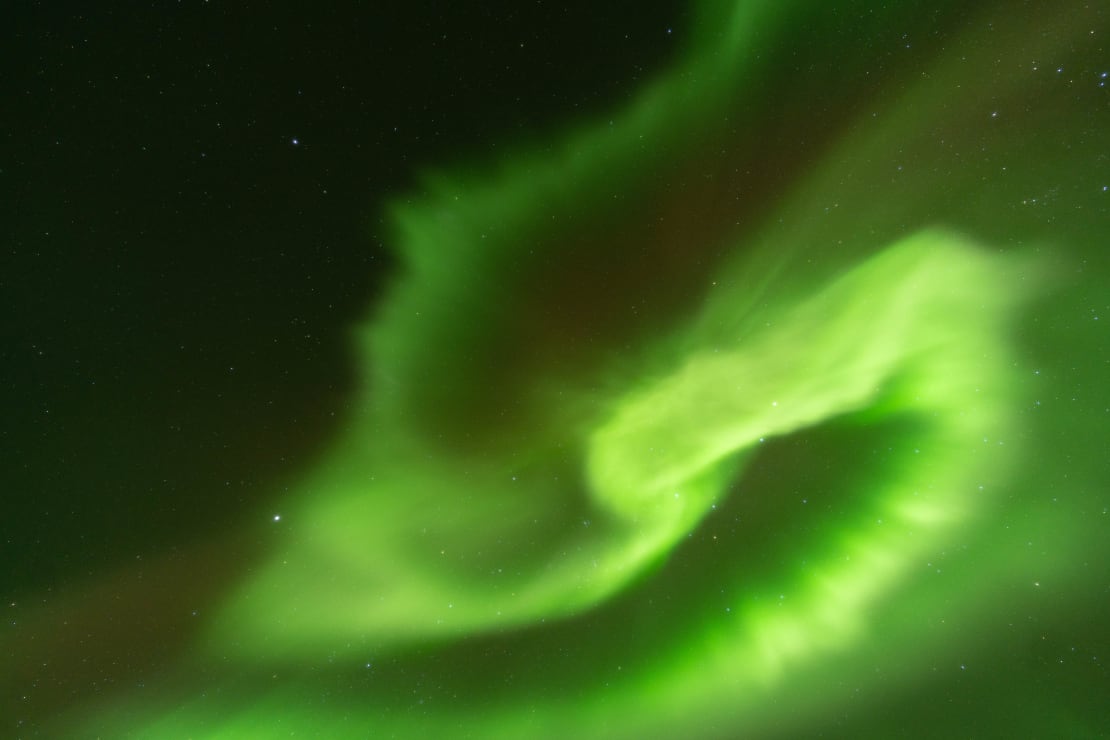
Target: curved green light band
(859, 294)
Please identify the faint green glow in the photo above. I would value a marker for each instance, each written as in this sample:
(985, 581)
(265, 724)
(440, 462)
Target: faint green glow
(866, 293)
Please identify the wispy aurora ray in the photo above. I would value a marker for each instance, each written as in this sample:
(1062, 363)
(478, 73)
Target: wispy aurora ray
(591, 350)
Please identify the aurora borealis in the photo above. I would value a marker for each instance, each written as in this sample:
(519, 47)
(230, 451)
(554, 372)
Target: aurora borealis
(768, 403)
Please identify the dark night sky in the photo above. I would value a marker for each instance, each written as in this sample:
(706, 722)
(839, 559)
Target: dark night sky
(191, 195)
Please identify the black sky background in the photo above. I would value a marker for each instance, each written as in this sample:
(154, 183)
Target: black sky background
(191, 201)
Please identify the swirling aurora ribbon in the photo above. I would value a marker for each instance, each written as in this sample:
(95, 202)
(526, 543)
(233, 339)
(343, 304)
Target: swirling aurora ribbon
(543, 518)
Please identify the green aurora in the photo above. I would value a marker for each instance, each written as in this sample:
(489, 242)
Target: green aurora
(764, 407)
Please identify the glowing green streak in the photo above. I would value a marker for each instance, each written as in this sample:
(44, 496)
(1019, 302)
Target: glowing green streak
(827, 309)
(661, 461)
(812, 365)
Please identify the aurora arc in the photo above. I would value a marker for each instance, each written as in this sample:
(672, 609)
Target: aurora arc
(588, 349)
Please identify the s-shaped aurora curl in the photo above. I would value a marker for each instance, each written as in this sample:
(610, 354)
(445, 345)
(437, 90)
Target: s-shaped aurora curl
(591, 370)
(657, 460)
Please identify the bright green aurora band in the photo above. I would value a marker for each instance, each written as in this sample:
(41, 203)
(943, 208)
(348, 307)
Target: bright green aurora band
(764, 402)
